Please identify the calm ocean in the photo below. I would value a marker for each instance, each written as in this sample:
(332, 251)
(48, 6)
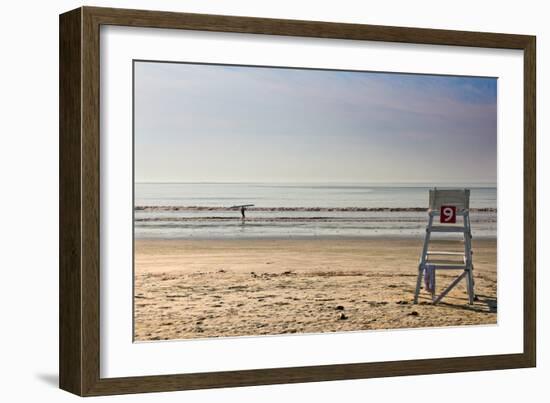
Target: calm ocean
(202, 210)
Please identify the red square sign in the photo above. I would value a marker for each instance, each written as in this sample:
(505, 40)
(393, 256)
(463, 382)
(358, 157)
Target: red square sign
(447, 215)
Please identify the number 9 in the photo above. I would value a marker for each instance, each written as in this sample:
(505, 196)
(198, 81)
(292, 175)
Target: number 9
(447, 214)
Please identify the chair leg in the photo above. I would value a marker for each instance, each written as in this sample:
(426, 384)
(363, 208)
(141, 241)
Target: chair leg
(468, 259)
(474, 285)
(418, 283)
(434, 285)
(470, 285)
(423, 258)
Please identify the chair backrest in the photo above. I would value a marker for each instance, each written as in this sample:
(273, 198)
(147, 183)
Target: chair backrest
(452, 197)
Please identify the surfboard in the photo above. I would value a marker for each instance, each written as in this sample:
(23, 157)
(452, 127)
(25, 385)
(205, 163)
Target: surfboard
(242, 205)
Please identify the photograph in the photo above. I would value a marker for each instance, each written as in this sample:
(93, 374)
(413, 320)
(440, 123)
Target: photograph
(273, 200)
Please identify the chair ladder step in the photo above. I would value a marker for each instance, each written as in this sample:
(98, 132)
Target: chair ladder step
(447, 266)
(445, 253)
(443, 228)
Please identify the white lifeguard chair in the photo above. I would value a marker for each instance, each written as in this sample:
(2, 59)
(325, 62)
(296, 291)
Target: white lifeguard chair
(447, 204)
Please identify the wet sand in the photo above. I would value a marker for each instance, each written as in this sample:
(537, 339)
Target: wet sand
(214, 288)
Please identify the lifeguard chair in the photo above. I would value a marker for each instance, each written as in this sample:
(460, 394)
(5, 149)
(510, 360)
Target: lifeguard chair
(447, 205)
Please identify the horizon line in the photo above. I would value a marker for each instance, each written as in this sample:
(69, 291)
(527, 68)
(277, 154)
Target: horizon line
(435, 183)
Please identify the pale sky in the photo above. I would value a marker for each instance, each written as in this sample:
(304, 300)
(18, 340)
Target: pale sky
(211, 123)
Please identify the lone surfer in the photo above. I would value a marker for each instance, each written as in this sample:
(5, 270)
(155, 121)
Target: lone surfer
(243, 208)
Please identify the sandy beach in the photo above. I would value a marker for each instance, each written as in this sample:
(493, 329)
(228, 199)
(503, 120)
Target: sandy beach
(215, 288)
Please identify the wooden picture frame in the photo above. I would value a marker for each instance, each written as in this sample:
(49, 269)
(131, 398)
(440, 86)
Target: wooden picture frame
(79, 348)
